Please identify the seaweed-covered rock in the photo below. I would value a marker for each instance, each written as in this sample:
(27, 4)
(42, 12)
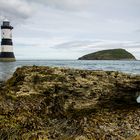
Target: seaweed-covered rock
(68, 104)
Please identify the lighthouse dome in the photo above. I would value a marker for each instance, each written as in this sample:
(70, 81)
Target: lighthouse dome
(5, 20)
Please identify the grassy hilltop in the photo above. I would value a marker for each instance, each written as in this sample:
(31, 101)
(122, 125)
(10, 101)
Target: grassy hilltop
(43, 103)
(114, 54)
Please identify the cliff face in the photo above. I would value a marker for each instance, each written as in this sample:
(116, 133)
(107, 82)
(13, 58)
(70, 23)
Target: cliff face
(68, 104)
(114, 54)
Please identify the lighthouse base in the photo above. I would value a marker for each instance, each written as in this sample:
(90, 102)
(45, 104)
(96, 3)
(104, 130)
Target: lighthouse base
(7, 57)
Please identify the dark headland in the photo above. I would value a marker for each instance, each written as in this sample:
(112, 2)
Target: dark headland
(44, 103)
(112, 54)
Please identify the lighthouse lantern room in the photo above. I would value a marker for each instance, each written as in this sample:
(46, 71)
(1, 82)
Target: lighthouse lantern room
(6, 53)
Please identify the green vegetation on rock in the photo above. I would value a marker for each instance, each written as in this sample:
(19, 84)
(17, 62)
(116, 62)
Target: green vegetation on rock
(43, 103)
(114, 54)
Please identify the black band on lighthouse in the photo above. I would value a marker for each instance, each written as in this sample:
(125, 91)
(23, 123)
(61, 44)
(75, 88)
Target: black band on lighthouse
(7, 55)
(6, 42)
(6, 27)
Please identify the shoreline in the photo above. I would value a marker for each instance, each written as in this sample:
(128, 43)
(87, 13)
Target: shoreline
(122, 66)
(67, 67)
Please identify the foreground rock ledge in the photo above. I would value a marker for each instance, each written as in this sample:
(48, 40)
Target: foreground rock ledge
(66, 104)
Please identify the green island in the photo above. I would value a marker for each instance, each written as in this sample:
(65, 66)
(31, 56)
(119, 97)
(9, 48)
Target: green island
(112, 54)
(51, 103)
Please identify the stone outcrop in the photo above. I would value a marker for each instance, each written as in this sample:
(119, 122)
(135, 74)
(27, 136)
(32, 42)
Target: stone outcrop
(69, 104)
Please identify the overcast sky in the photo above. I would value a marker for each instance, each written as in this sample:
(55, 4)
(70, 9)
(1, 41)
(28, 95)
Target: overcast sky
(68, 29)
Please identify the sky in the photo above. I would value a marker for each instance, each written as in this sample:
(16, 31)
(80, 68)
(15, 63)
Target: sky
(68, 29)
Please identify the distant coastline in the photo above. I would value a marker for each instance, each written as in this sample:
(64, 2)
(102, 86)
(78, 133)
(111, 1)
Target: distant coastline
(112, 54)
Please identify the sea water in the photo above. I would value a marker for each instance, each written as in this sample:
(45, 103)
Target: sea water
(132, 67)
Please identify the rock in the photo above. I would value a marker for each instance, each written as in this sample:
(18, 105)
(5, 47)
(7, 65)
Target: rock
(138, 99)
(113, 54)
(81, 138)
(57, 103)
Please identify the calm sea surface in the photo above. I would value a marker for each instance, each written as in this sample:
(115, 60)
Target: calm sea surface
(133, 67)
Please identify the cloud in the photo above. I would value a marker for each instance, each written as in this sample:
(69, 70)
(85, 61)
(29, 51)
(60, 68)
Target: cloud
(71, 28)
(23, 9)
(65, 4)
(16, 9)
(137, 31)
(20, 10)
(88, 46)
(72, 50)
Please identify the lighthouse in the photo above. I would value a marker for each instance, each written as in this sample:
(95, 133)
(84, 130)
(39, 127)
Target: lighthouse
(6, 53)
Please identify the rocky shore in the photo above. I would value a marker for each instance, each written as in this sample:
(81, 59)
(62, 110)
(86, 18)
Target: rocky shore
(44, 103)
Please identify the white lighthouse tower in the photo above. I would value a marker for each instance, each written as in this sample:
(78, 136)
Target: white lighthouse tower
(6, 53)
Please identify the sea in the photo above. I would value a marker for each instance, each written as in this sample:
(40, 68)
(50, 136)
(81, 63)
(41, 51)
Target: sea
(131, 67)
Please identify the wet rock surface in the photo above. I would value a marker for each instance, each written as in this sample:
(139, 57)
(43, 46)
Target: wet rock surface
(68, 104)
